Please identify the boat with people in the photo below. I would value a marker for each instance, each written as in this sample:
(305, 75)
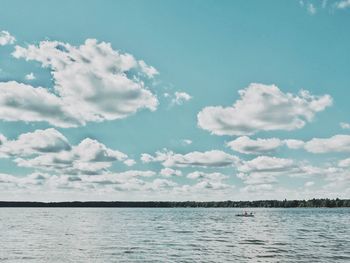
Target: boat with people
(245, 214)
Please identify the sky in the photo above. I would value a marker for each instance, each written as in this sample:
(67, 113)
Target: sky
(174, 100)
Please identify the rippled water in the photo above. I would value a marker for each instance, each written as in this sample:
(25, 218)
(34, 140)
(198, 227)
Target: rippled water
(173, 235)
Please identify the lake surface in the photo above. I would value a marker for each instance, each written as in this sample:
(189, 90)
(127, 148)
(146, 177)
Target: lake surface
(173, 235)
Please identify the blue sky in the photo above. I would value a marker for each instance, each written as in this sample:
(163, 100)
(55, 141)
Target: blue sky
(174, 100)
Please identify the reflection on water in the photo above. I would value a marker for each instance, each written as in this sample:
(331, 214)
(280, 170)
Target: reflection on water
(173, 235)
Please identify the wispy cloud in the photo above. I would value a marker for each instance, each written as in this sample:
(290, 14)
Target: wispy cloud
(342, 4)
(311, 9)
(344, 125)
(6, 38)
(30, 76)
(181, 97)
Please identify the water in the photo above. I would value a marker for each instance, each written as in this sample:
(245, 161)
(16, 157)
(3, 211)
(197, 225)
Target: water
(173, 235)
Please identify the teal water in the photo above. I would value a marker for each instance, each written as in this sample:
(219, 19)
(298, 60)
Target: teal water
(173, 235)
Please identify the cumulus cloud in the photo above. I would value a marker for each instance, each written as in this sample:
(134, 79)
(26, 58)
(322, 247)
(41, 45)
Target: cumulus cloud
(257, 188)
(262, 173)
(21, 102)
(345, 125)
(213, 181)
(265, 164)
(92, 83)
(186, 142)
(294, 144)
(181, 97)
(311, 9)
(262, 108)
(30, 76)
(34, 179)
(37, 142)
(123, 181)
(6, 38)
(247, 145)
(148, 70)
(197, 175)
(88, 157)
(309, 184)
(336, 143)
(49, 150)
(265, 170)
(212, 158)
(130, 162)
(342, 4)
(168, 172)
(3, 139)
(344, 163)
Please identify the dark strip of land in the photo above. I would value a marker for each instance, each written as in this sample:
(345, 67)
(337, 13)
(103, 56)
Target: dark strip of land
(162, 204)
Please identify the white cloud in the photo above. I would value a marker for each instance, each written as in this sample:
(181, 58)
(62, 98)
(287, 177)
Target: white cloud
(263, 173)
(212, 158)
(257, 188)
(34, 179)
(3, 139)
(21, 102)
(266, 170)
(6, 38)
(263, 108)
(37, 142)
(186, 141)
(130, 162)
(168, 172)
(309, 184)
(259, 146)
(247, 145)
(181, 97)
(148, 70)
(345, 125)
(88, 157)
(30, 76)
(49, 150)
(336, 143)
(197, 175)
(344, 163)
(214, 181)
(311, 9)
(116, 178)
(324, 3)
(143, 185)
(265, 164)
(92, 83)
(294, 144)
(342, 4)
(124, 181)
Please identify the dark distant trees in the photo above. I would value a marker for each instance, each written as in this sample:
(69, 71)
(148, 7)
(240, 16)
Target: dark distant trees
(239, 204)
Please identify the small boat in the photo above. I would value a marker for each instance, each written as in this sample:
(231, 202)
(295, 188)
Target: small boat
(245, 215)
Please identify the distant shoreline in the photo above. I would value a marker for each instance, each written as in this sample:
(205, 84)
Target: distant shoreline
(312, 203)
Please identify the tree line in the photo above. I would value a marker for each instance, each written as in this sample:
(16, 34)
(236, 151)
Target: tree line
(212, 204)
